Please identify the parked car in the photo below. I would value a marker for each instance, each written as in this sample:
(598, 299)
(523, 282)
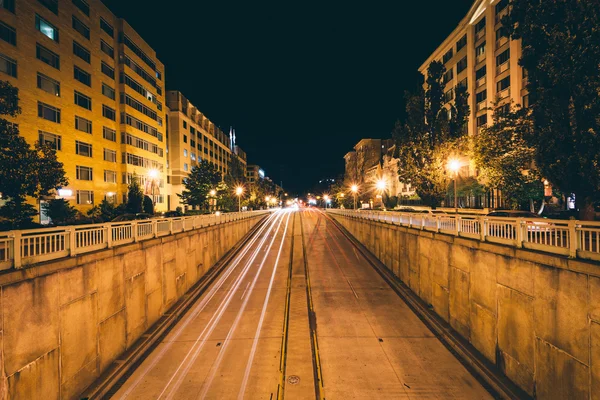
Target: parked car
(532, 226)
(172, 214)
(132, 217)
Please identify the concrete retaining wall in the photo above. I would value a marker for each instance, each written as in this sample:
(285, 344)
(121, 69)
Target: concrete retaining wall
(536, 316)
(64, 322)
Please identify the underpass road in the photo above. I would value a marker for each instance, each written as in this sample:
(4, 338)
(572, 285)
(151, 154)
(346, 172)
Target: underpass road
(299, 314)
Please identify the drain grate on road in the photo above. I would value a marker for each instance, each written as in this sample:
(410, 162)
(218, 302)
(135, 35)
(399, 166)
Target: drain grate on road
(293, 379)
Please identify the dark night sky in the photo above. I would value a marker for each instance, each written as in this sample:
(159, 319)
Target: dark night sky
(300, 82)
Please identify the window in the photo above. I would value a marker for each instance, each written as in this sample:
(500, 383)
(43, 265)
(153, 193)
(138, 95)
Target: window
(139, 70)
(504, 109)
(185, 152)
(448, 56)
(82, 76)
(132, 83)
(48, 112)
(184, 138)
(480, 73)
(185, 166)
(8, 65)
(50, 139)
(192, 130)
(463, 84)
(193, 156)
(51, 5)
(448, 96)
(46, 28)
(106, 48)
(526, 101)
(480, 26)
(137, 124)
(85, 197)
(133, 47)
(503, 84)
(501, 33)
(192, 143)
(48, 84)
(461, 65)
(130, 101)
(81, 52)
(83, 6)
(8, 5)
(480, 50)
(110, 176)
(109, 113)
(462, 42)
(83, 101)
(503, 57)
(184, 125)
(83, 149)
(109, 134)
(482, 120)
(47, 56)
(81, 28)
(110, 155)
(107, 70)
(106, 27)
(501, 5)
(82, 124)
(108, 91)
(8, 33)
(449, 75)
(141, 143)
(481, 96)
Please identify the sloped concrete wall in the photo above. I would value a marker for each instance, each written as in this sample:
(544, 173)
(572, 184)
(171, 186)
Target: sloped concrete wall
(65, 322)
(536, 316)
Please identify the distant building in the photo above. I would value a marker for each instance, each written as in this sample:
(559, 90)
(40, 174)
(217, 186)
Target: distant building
(254, 173)
(192, 138)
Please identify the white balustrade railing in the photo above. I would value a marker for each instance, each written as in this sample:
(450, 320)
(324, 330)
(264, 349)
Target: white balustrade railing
(570, 238)
(27, 247)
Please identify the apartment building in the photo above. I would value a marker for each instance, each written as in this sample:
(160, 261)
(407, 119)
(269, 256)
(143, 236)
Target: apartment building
(192, 137)
(91, 87)
(479, 56)
(254, 173)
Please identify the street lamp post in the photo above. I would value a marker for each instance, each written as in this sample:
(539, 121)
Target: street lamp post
(381, 187)
(354, 189)
(454, 166)
(238, 191)
(213, 204)
(326, 198)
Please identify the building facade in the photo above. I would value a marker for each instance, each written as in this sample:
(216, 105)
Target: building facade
(479, 56)
(254, 173)
(193, 138)
(91, 87)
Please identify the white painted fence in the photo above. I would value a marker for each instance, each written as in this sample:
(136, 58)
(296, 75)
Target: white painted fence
(571, 238)
(37, 245)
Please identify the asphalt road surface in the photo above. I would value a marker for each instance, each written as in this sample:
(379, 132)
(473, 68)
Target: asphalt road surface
(300, 314)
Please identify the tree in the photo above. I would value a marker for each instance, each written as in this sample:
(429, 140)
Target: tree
(135, 196)
(24, 171)
(560, 54)
(504, 158)
(202, 179)
(148, 205)
(431, 133)
(60, 211)
(105, 211)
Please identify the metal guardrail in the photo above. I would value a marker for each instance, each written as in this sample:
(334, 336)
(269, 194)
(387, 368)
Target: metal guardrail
(572, 238)
(38, 245)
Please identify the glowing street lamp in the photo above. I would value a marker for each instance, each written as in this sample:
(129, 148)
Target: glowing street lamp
(239, 191)
(354, 189)
(381, 185)
(454, 166)
(326, 198)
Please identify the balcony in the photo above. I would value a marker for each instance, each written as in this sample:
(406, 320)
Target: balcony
(481, 106)
(501, 15)
(501, 42)
(503, 94)
(502, 67)
(480, 58)
(480, 82)
(479, 35)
